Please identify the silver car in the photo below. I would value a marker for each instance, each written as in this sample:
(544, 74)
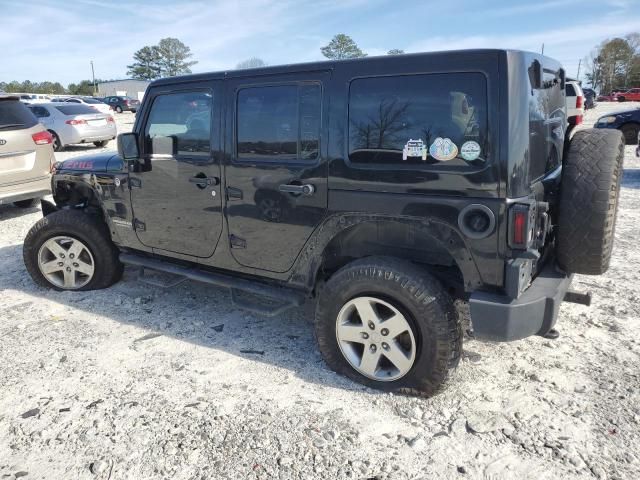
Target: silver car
(26, 155)
(71, 123)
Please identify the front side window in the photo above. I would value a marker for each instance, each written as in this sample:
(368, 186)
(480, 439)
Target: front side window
(418, 120)
(279, 122)
(180, 124)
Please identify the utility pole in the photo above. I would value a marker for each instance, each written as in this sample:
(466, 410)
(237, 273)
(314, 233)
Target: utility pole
(93, 76)
(543, 49)
(578, 75)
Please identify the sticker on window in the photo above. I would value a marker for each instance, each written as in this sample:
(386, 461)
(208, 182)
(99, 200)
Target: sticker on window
(470, 150)
(414, 148)
(443, 149)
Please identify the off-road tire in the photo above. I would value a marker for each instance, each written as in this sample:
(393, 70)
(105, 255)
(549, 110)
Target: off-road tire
(29, 203)
(630, 132)
(101, 143)
(90, 230)
(591, 177)
(419, 296)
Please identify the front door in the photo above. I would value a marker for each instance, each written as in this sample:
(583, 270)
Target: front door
(276, 178)
(175, 185)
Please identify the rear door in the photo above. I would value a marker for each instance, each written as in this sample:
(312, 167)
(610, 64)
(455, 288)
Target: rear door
(175, 184)
(19, 161)
(276, 180)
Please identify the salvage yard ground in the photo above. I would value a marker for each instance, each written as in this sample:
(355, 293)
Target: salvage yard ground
(139, 382)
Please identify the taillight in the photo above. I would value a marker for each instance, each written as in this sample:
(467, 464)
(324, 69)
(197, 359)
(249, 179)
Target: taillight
(126, 102)
(42, 138)
(521, 223)
(578, 120)
(76, 122)
(110, 119)
(579, 101)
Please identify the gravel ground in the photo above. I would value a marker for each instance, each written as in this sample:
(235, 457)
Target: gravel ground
(137, 382)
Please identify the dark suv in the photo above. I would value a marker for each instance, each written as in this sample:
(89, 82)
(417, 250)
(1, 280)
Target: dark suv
(122, 104)
(381, 188)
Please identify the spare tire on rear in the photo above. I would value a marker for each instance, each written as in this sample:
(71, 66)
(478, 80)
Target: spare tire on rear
(592, 169)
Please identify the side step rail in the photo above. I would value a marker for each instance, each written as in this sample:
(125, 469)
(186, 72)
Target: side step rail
(285, 297)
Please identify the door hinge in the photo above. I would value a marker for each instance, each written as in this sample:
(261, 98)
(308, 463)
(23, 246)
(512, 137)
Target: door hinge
(135, 182)
(234, 193)
(138, 225)
(237, 242)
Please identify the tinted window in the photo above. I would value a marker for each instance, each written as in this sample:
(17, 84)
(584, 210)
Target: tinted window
(15, 115)
(279, 122)
(391, 118)
(40, 112)
(74, 100)
(74, 109)
(571, 92)
(183, 119)
(90, 100)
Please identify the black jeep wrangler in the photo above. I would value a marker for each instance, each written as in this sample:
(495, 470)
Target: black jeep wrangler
(380, 188)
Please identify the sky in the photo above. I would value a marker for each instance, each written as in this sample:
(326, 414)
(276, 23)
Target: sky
(56, 39)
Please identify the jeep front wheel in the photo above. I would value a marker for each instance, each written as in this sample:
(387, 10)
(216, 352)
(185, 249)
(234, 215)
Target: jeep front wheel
(390, 325)
(71, 250)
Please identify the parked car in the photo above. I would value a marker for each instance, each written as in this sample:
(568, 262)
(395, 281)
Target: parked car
(92, 102)
(589, 98)
(575, 106)
(631, 95)
(71, 123)
(490, 210)
(627, 122)
(26, 155)
(122, 104)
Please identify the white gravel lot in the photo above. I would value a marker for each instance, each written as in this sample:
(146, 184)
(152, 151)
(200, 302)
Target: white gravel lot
(137, 382)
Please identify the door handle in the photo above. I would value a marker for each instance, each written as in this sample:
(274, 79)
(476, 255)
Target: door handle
(203, 182)
(307, 189)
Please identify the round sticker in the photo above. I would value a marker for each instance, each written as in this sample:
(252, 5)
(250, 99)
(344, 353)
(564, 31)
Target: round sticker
(470, 150)
(443, 149)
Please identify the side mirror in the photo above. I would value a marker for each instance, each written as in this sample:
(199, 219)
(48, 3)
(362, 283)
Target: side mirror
(128, 146)
(535, 75)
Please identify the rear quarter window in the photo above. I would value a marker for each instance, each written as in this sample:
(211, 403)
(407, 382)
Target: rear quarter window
(76, 109)
(571, 92)
(15, 115)
(415, 120)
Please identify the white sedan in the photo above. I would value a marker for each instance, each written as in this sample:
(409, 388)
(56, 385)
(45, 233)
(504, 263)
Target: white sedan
(92, 102)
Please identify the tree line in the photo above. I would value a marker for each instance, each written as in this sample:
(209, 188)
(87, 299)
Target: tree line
(615, 64)
(85, 87)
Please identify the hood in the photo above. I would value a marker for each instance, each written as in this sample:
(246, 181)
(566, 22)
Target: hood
(96, 162)
(624, 113)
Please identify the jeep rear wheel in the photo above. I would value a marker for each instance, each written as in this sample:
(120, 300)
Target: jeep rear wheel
(388, 324)
(71, 250)
(591, 177)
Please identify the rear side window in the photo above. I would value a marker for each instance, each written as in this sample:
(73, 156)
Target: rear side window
(418, 120)
(15, 115)
(79, 109)
(571, 92)
(40, 112)
(279, 122)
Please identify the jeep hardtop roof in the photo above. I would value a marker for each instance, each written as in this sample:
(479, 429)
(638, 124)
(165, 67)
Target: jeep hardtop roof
(547, 62)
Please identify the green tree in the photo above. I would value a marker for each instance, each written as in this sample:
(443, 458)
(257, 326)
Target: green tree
(146, 64)
(342, 46)
(615, 64)
(253, 62)
(395, 51)
(174, 57)
(85, 87)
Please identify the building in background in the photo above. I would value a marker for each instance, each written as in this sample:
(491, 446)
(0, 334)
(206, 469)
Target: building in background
(124, 88)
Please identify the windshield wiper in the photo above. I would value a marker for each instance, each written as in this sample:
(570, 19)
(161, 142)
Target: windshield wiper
(11, 125)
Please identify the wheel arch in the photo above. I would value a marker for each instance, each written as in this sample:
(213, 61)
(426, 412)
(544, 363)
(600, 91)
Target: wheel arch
(425, 242)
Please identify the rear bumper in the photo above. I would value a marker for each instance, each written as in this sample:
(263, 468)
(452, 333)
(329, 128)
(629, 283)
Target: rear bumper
(500, 318)
(24, 191)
